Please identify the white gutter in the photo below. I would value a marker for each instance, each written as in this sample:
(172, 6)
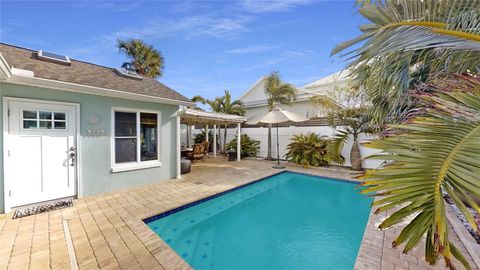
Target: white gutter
(305, 97)
(91, 90)
(5, 71)
(211, 116)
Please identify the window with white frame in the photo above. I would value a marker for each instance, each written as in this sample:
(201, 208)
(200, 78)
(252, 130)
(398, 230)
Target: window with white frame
(34, 119)
(136, 137)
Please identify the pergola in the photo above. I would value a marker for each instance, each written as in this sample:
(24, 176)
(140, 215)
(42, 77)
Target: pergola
(192, 117)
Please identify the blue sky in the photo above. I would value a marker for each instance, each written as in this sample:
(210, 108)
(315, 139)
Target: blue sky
(209, 46)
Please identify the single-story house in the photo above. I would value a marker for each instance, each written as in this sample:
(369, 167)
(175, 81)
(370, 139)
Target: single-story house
(72, 128)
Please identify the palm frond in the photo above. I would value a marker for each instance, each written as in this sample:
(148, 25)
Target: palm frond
(442, 36)
(325, 103)
(198, 98)
(229, 107)
(278, 92)
(436, 153)
(335, 146)
(145, 59)
(307, 150)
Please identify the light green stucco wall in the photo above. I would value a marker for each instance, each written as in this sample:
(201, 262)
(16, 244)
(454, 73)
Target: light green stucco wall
(1, 154)
(95, 167)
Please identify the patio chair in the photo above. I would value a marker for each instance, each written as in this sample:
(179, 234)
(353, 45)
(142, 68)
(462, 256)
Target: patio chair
(198, 152)
(207, 147)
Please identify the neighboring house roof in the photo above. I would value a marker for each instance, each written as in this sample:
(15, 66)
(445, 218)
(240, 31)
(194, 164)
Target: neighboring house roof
(86, 74)
(330, 79)
(255, 85)
(260, 98)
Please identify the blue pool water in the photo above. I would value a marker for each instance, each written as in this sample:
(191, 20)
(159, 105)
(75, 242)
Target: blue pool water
(287, 221)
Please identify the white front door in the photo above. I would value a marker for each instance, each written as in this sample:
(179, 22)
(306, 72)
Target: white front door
(40, 149)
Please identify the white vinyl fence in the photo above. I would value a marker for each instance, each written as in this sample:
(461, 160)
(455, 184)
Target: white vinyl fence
(285, 134)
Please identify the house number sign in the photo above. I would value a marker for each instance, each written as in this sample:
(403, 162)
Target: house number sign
(95, 120)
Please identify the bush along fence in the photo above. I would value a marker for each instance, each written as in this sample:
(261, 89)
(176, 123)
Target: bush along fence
(287, 131)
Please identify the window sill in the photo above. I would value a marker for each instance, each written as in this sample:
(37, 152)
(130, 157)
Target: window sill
(136, 166)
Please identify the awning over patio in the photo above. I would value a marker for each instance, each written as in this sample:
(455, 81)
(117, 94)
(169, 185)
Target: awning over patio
(192, 117)
(198, 117)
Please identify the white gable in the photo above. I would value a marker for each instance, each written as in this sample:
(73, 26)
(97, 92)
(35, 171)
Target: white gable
(327, 86)
(255, 93)
(255, 96)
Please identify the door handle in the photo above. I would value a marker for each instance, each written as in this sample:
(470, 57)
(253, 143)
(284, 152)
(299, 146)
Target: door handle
(72, 156)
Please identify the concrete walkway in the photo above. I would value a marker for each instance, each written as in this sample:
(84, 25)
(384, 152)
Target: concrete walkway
(106, 231)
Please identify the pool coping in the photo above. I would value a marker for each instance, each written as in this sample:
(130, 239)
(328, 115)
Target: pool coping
(370, 254)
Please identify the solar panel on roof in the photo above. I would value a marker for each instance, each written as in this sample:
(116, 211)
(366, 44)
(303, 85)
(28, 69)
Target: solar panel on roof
(53, 57)
(128, 73)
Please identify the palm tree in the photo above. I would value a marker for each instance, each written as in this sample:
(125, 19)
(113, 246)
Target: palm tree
(215, 104)
(408, 42)
(145, 59)
(435, 150)
(277, 93)
(229, 107)
(355, 121)
(223, 104)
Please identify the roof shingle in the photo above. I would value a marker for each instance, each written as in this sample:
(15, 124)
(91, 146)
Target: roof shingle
(85, 74)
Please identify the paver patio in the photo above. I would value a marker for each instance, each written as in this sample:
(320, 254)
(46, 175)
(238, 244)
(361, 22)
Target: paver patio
(106, 231)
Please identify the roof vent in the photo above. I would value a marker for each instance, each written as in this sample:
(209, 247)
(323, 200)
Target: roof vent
(53, 57)
(128, 73)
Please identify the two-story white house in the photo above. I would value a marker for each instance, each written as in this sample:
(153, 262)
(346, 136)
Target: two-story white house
(255, 100)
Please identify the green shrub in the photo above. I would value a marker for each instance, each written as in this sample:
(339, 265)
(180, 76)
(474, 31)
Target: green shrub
(308, 150)
(249, 146)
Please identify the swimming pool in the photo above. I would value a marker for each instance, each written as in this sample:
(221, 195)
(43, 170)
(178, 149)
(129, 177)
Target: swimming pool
(286, 221)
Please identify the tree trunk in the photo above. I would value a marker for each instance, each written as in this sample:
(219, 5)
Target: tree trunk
(225, 139)
(355, 157)
(269, 148)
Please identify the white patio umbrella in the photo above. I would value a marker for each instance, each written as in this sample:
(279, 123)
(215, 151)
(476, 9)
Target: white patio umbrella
(277, 116)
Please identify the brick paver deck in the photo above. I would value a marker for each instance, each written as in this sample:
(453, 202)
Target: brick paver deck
(106, 231)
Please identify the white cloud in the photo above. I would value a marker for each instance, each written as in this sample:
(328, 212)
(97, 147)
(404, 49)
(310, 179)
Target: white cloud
(251, 49)
(115, 6)
(188, 27)
(184, 6)
(262, 6)
(289, 56)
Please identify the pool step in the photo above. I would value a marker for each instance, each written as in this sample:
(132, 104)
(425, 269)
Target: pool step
(203, 252)
(186, 244)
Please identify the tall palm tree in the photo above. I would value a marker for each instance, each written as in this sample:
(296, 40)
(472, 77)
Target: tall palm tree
(277, 93)
(145, 59)
(435, 150)
(229, 107)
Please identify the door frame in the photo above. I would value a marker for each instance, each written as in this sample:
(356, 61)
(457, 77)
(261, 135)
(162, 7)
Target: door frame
(6, 184)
